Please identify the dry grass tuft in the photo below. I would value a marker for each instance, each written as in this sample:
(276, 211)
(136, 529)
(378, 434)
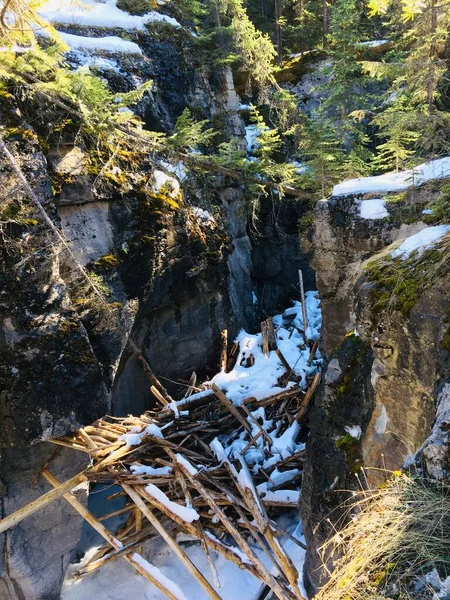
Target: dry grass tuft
(397, 534)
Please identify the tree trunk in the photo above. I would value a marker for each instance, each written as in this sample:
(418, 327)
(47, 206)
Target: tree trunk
(432, 58)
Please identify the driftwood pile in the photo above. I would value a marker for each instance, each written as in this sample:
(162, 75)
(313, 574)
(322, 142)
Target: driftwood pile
(176, 483)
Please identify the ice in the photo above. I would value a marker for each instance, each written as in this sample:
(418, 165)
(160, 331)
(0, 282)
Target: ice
(110, 43)
(187, 514)
(98, 14)
(373, 209)
(421, 241)
(395, 182)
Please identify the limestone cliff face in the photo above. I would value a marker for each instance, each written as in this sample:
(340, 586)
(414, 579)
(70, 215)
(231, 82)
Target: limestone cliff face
(387, 367)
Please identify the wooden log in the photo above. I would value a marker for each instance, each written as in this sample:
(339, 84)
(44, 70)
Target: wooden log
(44, 500)
(212, 566)
(146, 535)
(101, 529)
(309, 394)
(251, 442)
(215, 544)
(282, 593)
(303, 300)
(154, 390)
(293, 391)
(230, 406)
(191, 384)
(223, 350)
(171, 542)
(264, 339)
(284, 362)
(271, 334)
(312, 353)
(149, 373)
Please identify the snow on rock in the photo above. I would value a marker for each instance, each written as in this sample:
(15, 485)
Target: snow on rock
(110, 44)
(164, 180)
(395, 182)
(426, 238)
(178, 169)
(187, 514)
(354, 431)
(135, 436)
(251, 135)
(204, 216)
(98, 14)
(373, 43)
(373, 209)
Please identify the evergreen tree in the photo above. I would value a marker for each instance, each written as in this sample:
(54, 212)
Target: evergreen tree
(417, 77)
(399, 137)
(254, 48)
(323, 155)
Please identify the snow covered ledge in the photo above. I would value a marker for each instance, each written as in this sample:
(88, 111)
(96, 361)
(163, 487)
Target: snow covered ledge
(395, 182)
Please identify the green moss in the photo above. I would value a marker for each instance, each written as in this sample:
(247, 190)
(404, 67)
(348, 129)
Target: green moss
(400, 283)
(106, 263)
(440, 207)
(445, 342)
(351, 447)
(136, 7)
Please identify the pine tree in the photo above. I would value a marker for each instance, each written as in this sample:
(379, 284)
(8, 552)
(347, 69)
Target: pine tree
(399, 137)
(417, 76)
(190, 134)
(323, 155)
(254, 48)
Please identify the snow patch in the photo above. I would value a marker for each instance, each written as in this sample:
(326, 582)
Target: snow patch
(395, 182)
(187, 514)
(98, 14)
(251, 135)
(373, 209)
(354, 431)
(110, 44)
(426, 238)
(135, 436)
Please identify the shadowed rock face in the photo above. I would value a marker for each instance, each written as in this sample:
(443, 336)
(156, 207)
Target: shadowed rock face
(50, 379)
(34, 555)
(384, 382)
